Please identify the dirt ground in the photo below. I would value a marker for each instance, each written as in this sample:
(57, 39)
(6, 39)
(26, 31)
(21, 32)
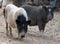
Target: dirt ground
(52, 33)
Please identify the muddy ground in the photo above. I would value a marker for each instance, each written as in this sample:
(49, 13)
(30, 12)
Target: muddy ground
(52, 33)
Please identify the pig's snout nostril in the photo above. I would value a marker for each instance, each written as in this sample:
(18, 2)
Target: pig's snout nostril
(0, 7)
(22, 36)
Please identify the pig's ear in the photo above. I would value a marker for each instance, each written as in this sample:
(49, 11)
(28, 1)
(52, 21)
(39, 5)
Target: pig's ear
(45, 7)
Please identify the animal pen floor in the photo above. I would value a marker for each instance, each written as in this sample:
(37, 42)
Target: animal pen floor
(52, 33)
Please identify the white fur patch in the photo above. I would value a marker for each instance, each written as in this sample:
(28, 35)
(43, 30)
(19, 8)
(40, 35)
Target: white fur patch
(21, 11)
(13, 12)
(42, 33)
(24, 13)
(49, 9)
(1, 2)
(10, 13)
